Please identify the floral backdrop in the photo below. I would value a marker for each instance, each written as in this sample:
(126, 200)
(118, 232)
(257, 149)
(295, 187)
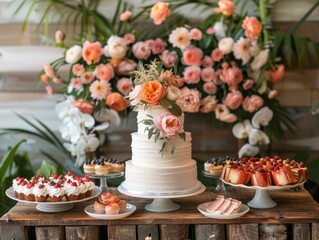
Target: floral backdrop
(225, 67)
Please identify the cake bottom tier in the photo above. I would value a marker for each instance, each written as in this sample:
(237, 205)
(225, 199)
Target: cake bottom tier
(161, 179)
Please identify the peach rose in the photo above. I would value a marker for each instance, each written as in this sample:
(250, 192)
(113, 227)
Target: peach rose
(233, 100)
(76, 83)
(104, 72)
(84, 107)
(92, 52)
(248, 84)
(168, 124)
(208, 104)
(141, 50)
(210, 87)
(78, 69)
(126, 16)
(160, 12)
(192, 56)
(129, 38)
(87, 77)
(124, 85)
(158, 46)
(169, 58)
(192, 74)
(252, 103)
(217, 55)
(207, 62)
(208, 74)
(189, 100)
(125, 66)
(196, 34)
(232, 76)
(226, 7)
(252, 27)
(152, 92)
(116, 102)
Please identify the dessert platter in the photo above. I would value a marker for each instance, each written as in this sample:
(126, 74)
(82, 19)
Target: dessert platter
(263, 175)
(103, 168)
(223, 208)
(55, 194)
(109, 207)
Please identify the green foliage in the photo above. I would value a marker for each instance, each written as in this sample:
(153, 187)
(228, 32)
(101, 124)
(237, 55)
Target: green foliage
(47, 169)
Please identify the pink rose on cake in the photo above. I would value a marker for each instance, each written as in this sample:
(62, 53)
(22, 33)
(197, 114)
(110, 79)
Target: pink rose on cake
(168, 124)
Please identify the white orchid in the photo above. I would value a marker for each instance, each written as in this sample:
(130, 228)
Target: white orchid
(262, 117)
(248, 151)
(70, 132)
(87, 143)
(242, 130)
(258, 137)
(108, 116)
(63, 108)
(80, 155)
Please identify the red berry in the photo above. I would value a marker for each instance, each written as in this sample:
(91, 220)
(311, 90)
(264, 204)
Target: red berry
(41, 186)
(54, 176)
(70, 173)
(74, 184)
(57, 185)
(23, 183)
(276, 157)
(30, 185)
(302, 165)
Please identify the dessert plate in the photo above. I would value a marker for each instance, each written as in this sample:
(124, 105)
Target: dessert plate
(203, 210)
(130, 209)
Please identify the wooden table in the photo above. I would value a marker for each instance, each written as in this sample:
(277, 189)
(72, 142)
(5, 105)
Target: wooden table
(295, 217)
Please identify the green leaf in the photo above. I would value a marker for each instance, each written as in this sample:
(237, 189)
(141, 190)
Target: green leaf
(6, 160)
(157, 135)
(182, 135)
(47, 169)
(150, 133)
(148, 122)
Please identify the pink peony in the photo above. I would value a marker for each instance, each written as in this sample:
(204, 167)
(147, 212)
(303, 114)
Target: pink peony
(192, 74)
(76, 83)
(208, 104)
(44, 78)
(207, 62)
(232, 76)
(159, 12)
(218, 79)
(84, 107)
(100, 89)
(126, 66)
(226, 7)
(92, 52)
(124, 85)
(222, 113)
(233, 100)
(192, 56)
(78, 69)
(49, 90)
(129, 38)
(87, 77)
(248, 84)
(181, 38)
(168, 124)
(217, 55)
(158, 46)
(126, 16)
(48, 70)
(196, 34)
(169, 58)
(241, 50)
(210, 87)
(141, 50)
(104, 72)
(208, 74)
(189, 100)
(252, 103)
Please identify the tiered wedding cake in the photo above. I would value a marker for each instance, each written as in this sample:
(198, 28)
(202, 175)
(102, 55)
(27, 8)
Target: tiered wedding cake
(151, 171)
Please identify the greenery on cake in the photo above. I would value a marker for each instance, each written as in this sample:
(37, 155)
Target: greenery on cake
(155, 87)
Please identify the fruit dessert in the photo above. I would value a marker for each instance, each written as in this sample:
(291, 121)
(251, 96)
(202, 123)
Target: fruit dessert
(109, 204)
(40, 192)
(103, 166)
(28, 192)
(264, 172)
(224, 206)
(214, 166)
(56, 192)
(71, 191)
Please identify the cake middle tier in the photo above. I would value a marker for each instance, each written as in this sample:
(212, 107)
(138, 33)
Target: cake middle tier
(146, 152)
(161, 179)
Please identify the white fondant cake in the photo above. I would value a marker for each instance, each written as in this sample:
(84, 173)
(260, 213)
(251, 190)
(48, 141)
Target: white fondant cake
(150, 171)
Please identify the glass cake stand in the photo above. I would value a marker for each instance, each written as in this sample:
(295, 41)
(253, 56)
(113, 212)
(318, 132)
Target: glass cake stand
(262, 199)
(220, 187)
(103, 179)
(162, 201)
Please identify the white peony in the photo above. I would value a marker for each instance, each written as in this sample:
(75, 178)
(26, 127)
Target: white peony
(116, 48)
(173, 93)
(73, 54)
(226, 45)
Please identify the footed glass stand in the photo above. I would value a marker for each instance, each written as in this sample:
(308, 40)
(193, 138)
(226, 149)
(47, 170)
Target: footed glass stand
(220, 187)
(262, 199)
(103, 179)
(162, 201)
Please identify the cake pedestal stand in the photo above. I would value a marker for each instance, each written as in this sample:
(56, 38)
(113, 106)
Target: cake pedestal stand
(162, 201)
(103, 179)
(220, 187)
(262, 199)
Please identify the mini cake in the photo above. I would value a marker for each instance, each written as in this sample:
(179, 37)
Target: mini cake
(89, 167)
(283, 175)
(109, 204)
(28, 192)
(15, 183)
(214, 166)
(71, 191)
(101, 168)
(56, 192)
(89, 186)
(261, 178)
(82, 189)
(40, 192)
(116, 165)
(20, 188)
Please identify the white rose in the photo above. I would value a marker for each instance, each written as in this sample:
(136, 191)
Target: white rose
(116, 47)
(173, 93)
(73, 54)
(226, 45)
(260, 60)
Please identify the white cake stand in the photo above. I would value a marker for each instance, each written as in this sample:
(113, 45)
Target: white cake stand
(162, 201)
(262, 199)
(103, 179)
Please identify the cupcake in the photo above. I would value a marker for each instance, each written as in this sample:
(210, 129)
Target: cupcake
(82, 189)
(54, 178)
(28, 192)
(68, 176)
(15, 183)
(89, 186)
(101, 168)
(20, 188)
(71, 190)
(40, 192)
(56, 192)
